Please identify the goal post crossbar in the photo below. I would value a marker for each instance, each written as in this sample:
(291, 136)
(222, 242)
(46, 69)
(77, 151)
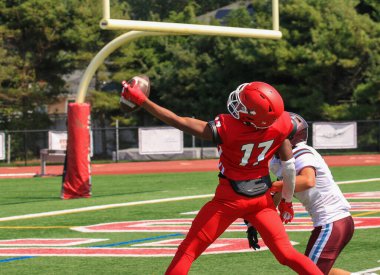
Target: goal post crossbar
(179, 28)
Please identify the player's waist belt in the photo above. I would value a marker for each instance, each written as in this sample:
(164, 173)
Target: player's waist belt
(250, 188)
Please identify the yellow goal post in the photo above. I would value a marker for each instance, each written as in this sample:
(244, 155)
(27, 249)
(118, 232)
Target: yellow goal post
(139, 29)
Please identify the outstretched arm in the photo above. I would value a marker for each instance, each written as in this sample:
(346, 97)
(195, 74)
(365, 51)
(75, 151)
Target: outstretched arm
(196, 127)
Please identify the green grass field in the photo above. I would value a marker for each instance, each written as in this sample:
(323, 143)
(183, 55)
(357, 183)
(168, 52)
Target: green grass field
(41, 195)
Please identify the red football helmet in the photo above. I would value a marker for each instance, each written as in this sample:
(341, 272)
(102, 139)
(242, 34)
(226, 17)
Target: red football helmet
(301, 132)
(256, 103)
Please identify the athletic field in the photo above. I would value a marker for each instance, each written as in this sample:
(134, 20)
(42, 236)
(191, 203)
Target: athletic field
(134, 222)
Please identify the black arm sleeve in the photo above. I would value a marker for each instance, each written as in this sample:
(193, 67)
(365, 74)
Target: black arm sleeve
(215, 136)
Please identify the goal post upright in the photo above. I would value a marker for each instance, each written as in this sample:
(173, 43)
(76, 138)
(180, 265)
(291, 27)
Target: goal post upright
(102, 55)
(275, 16)
(106, 9)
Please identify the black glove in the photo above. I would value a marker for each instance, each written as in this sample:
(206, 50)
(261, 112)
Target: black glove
(252, 236)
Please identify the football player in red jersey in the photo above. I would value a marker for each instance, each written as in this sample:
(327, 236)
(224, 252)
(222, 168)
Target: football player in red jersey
(247, 138)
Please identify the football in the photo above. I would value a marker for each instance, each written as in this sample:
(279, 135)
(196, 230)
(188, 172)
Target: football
(144, 84)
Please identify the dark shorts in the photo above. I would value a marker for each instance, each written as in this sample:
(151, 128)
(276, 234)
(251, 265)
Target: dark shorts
(327, 241)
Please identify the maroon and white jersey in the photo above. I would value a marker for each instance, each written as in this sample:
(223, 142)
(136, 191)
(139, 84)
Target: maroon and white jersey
(245, 151)
(324, 202)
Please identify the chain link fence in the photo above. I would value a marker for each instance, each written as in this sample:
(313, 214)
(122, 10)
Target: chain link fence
(23, 147)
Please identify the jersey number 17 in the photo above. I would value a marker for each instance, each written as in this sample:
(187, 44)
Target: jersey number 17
(248, 149)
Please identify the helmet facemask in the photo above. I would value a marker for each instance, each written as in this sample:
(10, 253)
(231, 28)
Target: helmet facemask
(236, 108)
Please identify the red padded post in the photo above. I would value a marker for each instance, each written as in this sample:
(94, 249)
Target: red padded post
(76, 182)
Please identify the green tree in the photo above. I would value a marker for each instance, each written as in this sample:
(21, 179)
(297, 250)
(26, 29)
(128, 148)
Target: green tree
(148, 9)
(327, 53)
(325, 65)
(43, 40)
(31, 36)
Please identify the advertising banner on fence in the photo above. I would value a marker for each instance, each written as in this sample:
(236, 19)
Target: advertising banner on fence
(57, 140)
(160, 140)
(334, 135)
(2, 146)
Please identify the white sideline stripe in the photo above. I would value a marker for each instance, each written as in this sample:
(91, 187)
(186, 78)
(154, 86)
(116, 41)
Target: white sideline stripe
(107, 206)
(100, 207)
(367, 271)
(356, 181)
(17, 175)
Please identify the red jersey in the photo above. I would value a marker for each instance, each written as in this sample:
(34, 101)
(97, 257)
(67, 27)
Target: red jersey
(245, 151)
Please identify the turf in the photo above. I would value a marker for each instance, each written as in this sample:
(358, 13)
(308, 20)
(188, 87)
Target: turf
(37, 195)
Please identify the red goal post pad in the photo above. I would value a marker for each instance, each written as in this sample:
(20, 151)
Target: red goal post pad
(76, 180)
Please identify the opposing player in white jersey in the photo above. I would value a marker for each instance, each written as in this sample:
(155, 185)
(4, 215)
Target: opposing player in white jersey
(320, 195)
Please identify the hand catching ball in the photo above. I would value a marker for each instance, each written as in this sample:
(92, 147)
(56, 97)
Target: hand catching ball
(134, 93)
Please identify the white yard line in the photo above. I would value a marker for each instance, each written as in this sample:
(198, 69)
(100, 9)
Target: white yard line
(108, 206)
(357, 181)
(367, 271)
(18, 175)
(100, 207)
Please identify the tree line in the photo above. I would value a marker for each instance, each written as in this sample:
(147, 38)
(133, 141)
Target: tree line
(326, 66)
